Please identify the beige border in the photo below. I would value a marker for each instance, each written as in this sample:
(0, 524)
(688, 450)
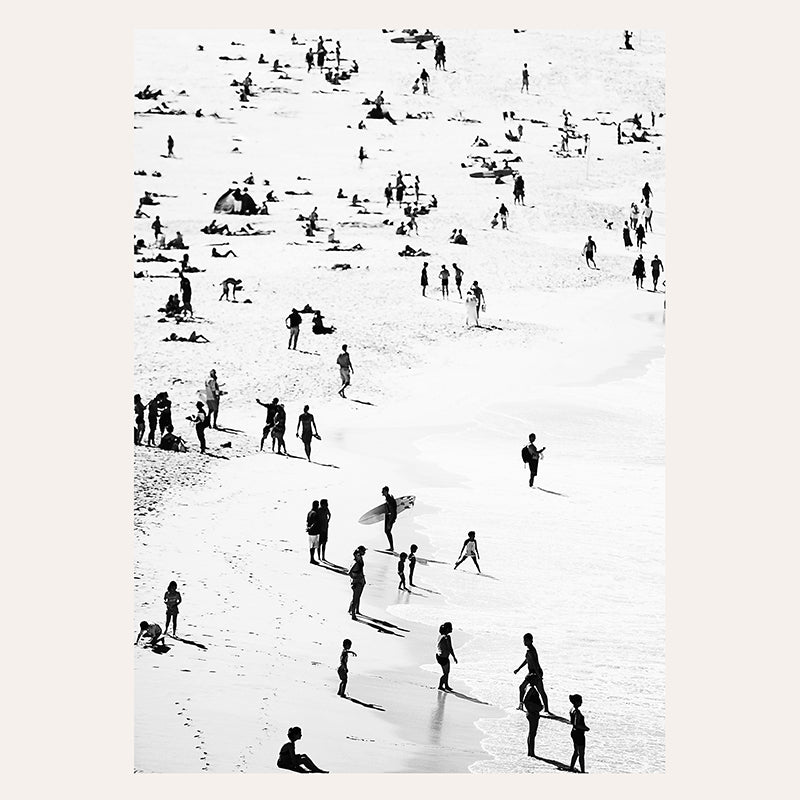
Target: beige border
(67, 665)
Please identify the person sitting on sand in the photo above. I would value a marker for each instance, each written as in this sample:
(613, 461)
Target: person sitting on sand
(459, 238)
(230, 284)
(173, 306)
(216, 254)
(153, 632)
(271, 198)
(193, 337)
(295, 762)
(340, 194)
(261, 59)
(332, 237)
(176, 243)
(317, 325)
(401, 229)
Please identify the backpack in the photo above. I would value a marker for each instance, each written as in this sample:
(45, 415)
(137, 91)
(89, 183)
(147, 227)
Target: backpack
(526, 454)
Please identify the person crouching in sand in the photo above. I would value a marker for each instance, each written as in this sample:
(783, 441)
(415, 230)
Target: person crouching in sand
(294, 762)
(342, 671)
(153, 632)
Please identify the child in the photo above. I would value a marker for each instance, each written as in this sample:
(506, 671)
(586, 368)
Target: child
(172, 599)
(412, 562)
(401, 565)
(342, 671)
(469, 550)
(153, 631)
(578, 734)
(294, 762)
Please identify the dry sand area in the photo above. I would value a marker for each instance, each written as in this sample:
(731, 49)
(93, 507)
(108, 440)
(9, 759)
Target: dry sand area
(436, 409)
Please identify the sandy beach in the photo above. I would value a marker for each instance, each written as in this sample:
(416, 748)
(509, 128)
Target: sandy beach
(436, 410)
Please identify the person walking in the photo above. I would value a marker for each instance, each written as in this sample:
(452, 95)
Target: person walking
(293, 322)
(481, 298)
(533, 709)
(524, 79)
(647, 193)
(647, 217)
(345, 369)
(469, 550)
(172, 599)
(309, 59)
(157, 227)
(459, 274)
(390, 515)
(170, 146)
(323, 521)
(213, 394)
(423, 278)
(626, 235)
(309, 426)
(387, 193)
(656, 268)
(357, 580)
(200, 420)
(186, 293)
(444, 276)
(444, 652)
(535, 672)
(589, 249)
(639, 271)
(578, 733)
(503, 211)
(640, 235)
(531, 455)
(138, 419)
(342, 672)
(312, 530)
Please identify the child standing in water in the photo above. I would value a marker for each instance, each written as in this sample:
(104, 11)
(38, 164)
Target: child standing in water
(578, 734)
(469, 550)
(401, 565)
(342, 671)
(412, 562)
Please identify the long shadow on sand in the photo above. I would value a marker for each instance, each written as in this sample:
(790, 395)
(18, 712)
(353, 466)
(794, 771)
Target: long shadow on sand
(320, 464)
(187, 641)
(386, 623)
(228, 430)
(362, 402)
(333, 567)
(422, 588)
(379, 628)
(366, 705)
(216, 455)
(161, 649)
(306, 352)
(467, 697)
(557, 764)
(550, 491)
(555, 717)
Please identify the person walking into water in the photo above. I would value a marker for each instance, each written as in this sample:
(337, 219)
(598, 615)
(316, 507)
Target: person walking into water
(423, 278)
(323, 521)
(213, 394)
(345, 368)
(342, 672)
(357, 580)
(656, 268)
(533, 708)
(459, 274)
(531, 455)
(589, 249)
(578, 733)
(309, 426)
(270, 421)
(444, 276)
(390, 515)
(444, 652)
(200, 420)
(469, 550)
(172, 599)
(170, 146)
(288, 759)
(293, 322)
(639, 271)
(535, 672)
(524, 79)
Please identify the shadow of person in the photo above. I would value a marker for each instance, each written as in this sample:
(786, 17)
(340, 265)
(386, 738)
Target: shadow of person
(320, 464)
(187, 641)
(551, 715)
(386, 623)
(378, 628)
(550, 491)
(559, 765)
(160, 649)
(334, 568)
(467, 697)
(362, 402)
(366, 705)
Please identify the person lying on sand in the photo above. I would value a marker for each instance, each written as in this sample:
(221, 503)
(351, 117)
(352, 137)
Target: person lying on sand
(295, 762)
(193, 337)
(216, 254)
(153, 632)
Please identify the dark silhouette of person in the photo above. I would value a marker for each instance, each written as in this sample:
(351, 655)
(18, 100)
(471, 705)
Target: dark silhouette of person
(578, 733)
(390, 515)
(272, 408)
(309, 426)
(639, 271)
(444, 651)
(530, 456)
(296, 762)
(357, 580)
(533, 708)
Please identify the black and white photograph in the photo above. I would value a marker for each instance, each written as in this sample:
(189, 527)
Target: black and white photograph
(399, 316)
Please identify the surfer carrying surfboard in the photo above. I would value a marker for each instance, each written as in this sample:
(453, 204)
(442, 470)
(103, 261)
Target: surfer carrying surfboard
(390, 516)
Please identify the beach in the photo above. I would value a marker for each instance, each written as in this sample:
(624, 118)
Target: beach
(436, 410)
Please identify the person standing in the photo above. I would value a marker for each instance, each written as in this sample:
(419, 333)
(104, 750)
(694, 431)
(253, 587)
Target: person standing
(157, 227)
(279, 430)
(471, 303)
(444, 275)
(412, 563)
(531, 455)
(639, 271)
(639, 235)
(444, 651)
(342, 672)
(647, 217)
(309, 426)
(423, 278)
(323, 520)
(656, 267)
(153, 408)
(138, 419)
(387, 193)
(213, 393)
(535, 672)
(170, 145)
(270, 421)
(589, 249)
(172, 599)
(312, 530)
(389, 516)
(357, 580)
(524, 79)
(186, 294)
(626, 235)
(425, 78)
(469, 550)
(200, 420)
(481, 298)
(401, 571)
(459, 273)
(345, 369)
(503, 211)
(293, 322)
(647, 193)
(578, 733)
(165, 415)
(416, 188)
(309, 59)
(533, 708)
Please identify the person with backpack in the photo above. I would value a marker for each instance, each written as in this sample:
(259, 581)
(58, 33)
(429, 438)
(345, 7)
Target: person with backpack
(531, 455)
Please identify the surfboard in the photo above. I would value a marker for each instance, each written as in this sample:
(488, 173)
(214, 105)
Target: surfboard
(379, 512)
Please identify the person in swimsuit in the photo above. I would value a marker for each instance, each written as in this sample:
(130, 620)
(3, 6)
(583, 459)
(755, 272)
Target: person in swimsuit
(172, 599)
(390, 516)
(294, 762)
(444, 650)
(293, 322)
(401, 571)
(459, 273)
(323, 520)
(589, 249)
(535, 672)
(342, 671)
(444, 276)
(533, 708)
(278, 430)
(153, 408)
(578, 733)
(138, 419)
(312, 530)
(345, 369)
(524, 79)
(270, 421)
(357, 580)
(469, 550)
(152, 632)
(412, 563)
(306, 420)
(657, 268)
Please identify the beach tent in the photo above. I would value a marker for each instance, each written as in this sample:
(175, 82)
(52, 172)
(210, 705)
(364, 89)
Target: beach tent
(226, 204)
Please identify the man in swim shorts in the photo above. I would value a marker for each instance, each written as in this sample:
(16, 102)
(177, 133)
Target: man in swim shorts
(390, 516)
(345, 368)
(535, 672)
